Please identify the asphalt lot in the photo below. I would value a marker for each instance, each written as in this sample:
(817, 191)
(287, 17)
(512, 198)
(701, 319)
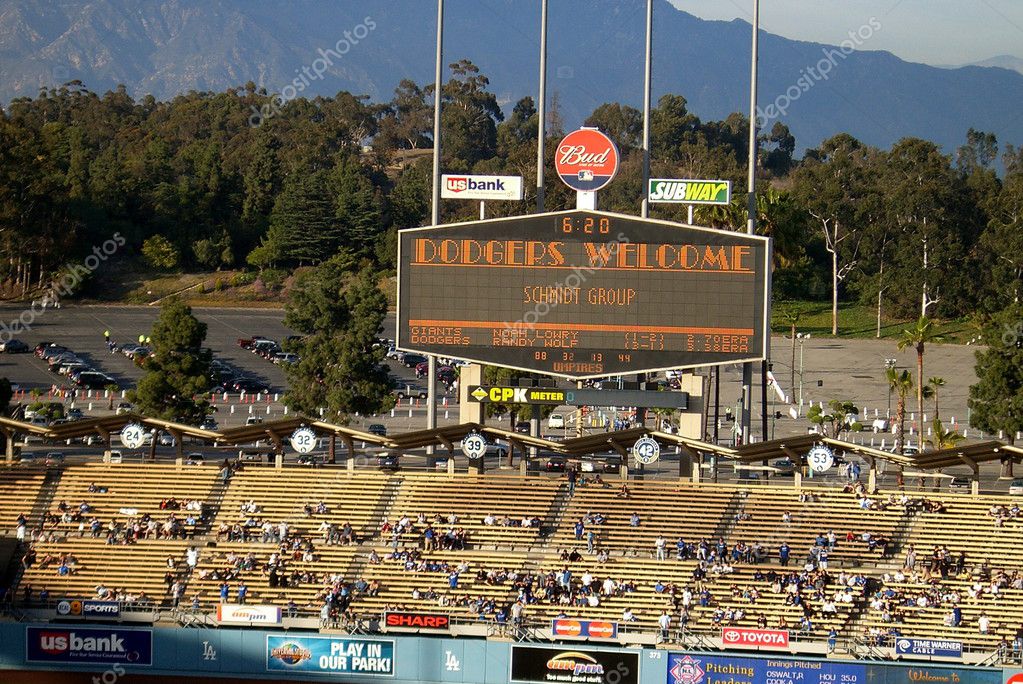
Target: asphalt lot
(847, 369)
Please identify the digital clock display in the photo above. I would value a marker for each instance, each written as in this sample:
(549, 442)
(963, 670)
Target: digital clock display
(583, 294)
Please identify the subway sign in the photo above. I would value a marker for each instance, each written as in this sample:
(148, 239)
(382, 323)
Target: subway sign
(688, 191)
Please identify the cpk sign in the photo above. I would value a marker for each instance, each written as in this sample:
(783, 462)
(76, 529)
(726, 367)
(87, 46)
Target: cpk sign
(586, 160)
(481, 187)
(739, 637)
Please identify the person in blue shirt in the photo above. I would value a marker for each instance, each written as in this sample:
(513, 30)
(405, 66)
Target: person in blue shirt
(242, 592)
(783, 553)
(225, 589)
(579, 528)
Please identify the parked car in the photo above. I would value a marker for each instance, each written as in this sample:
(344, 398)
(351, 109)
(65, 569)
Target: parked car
(208, 424)
(378, 429)
(74, 414)
(285, 357)
(93, 380)
(253, 420)
(960, 484)
(194, 458)
(556, 464)
(556, 421)
(522, 427)
(388, 461)
(1016, 487)
(404, 391)
(612, 464)
(13, 347)
(123, 408)
(250, 386)
(166, 439)
(412, 360)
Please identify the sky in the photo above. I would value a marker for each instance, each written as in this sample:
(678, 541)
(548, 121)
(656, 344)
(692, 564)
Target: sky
(936, 32)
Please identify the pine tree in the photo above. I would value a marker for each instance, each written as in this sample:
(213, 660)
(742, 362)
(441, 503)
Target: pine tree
(341, 367)
(996, 401)
(178, 370)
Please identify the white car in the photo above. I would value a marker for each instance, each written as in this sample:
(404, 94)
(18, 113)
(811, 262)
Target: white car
(556, 421)
(1016, 487)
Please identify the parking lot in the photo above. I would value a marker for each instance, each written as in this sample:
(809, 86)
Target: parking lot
(829, 368)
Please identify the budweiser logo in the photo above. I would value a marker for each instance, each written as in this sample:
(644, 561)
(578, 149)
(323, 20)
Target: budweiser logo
(577, 155)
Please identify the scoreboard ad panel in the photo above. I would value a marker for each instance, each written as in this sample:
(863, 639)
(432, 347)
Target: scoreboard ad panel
(583, 294)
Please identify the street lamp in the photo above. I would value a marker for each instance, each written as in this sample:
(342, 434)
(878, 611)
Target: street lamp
(889, 364)
(801, 337)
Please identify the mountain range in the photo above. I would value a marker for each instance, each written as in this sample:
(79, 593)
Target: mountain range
(595, 55)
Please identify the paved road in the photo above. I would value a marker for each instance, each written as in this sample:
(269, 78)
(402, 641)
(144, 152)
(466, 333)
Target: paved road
(846, 369)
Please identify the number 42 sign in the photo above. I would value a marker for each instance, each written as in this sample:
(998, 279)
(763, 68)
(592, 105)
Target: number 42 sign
(646, 450)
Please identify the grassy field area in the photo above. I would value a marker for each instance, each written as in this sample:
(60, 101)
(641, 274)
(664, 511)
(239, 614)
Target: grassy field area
(857, 321)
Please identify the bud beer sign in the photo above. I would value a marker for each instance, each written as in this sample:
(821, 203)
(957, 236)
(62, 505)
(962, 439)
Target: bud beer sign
(586, 160)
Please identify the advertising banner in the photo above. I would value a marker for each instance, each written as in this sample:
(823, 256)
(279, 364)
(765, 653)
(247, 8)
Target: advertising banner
(536, 664)
(703, 669)
(929, 647)
(237, 614)
(417, 620)
(328, 655)
(75, 608)
(89, 646)
(739, 637)
(916, 674)
(584, 629)
(480, 187)
(689, 191)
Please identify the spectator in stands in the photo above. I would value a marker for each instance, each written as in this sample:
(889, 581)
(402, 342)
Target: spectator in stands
(983, 623)
(659, 546)
(628, 615)
(664, 622)
(634, 519)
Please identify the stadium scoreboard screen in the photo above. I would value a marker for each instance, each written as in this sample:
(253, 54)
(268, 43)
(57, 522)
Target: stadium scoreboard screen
(583, 294)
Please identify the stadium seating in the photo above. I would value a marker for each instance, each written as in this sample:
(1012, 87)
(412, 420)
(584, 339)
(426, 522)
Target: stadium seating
(315, 502)
(19, 494)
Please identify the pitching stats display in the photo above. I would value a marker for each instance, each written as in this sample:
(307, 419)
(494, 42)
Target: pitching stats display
(583, 294)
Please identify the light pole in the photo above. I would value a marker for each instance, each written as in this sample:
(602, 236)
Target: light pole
(889, 364)
(802, 337)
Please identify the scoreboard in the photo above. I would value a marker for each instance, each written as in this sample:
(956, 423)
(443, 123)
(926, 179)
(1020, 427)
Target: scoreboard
(583, 294)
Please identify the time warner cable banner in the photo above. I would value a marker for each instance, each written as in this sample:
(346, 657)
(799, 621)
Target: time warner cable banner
(327, 655)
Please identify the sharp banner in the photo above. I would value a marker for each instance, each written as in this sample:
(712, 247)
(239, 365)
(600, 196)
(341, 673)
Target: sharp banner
(329, 656)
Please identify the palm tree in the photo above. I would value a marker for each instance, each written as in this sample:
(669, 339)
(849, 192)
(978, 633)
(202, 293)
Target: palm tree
(936, 382)
(917, 337)
(791, 318)
(900, 383)
(942, 438)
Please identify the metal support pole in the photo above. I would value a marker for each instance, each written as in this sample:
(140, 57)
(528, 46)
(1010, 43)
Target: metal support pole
(431, 383)
(645, 205)
(541, 108)
(751, 205)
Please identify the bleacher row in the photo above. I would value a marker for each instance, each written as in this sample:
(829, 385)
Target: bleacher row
(471, 546)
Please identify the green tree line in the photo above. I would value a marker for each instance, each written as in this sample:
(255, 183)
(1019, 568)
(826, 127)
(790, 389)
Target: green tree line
(201, 182)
